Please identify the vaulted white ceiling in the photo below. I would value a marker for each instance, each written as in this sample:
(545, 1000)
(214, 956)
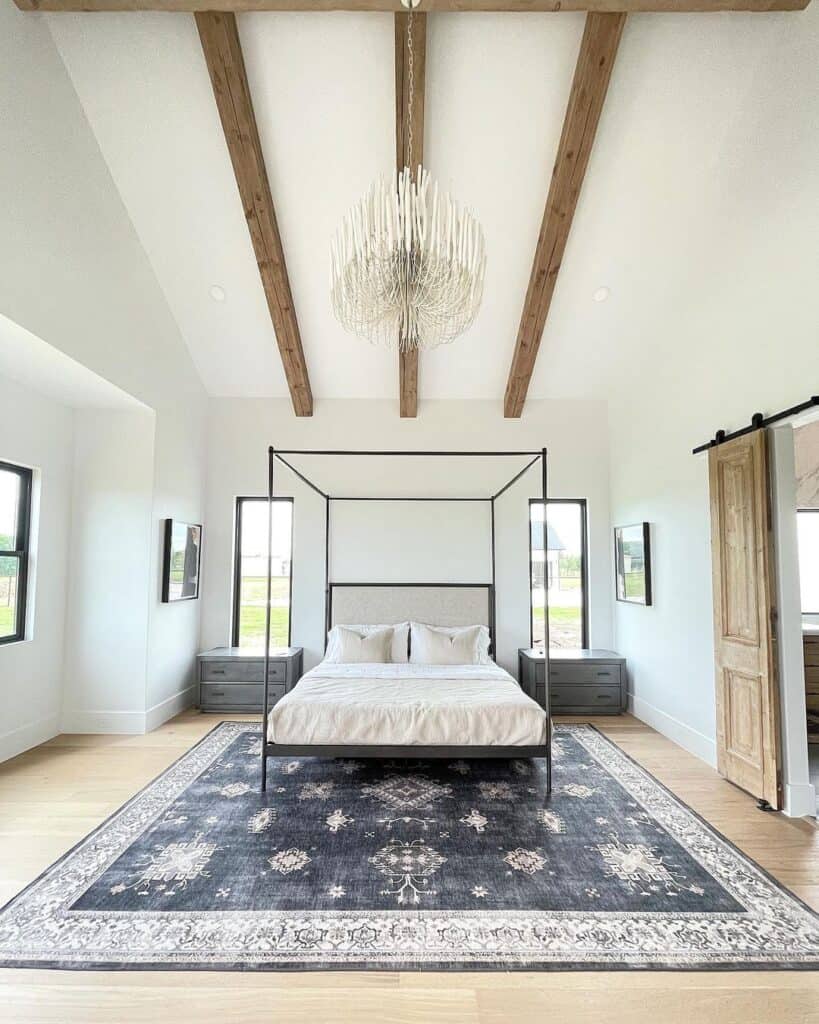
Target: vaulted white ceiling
(705, 161)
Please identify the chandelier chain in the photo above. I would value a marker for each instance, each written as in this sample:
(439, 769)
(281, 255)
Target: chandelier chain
(411, 85)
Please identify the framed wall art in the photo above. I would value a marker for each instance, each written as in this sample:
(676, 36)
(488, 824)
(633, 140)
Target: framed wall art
(183, 556)
(632, 563)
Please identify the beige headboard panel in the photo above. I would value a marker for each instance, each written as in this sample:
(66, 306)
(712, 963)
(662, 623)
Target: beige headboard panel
(440, 604)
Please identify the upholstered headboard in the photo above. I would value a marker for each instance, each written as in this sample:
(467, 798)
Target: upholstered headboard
(440, 604)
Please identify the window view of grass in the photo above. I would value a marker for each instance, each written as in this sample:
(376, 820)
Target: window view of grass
(252, 514)
(565, 626)
(7, 626)
(563, 569)
(8, 590)
(251, 611)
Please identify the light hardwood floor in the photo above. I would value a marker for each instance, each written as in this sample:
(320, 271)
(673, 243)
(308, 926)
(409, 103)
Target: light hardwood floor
(52, 796)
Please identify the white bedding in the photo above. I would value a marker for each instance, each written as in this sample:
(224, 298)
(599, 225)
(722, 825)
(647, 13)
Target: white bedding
(419, 705)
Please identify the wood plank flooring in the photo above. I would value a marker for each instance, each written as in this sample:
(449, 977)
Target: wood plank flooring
(52, 796)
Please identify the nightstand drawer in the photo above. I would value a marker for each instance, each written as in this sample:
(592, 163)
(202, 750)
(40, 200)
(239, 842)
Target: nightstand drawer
(584, 675)
(585, 696)
(241, 671)
(238, 694)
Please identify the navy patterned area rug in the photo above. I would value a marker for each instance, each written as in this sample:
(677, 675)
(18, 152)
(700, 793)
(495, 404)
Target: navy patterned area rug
(406, 865)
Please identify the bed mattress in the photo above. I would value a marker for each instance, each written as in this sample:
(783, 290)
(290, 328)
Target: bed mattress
(418, 705)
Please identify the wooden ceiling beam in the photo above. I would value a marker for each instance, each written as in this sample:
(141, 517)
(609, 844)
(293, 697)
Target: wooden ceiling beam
(404, 157)
(591, 6)
(226, 66)
(598, 48)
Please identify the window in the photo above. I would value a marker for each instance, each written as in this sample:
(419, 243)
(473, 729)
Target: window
(15, 515)
(250, 572)
(807, 524)
(562, 570)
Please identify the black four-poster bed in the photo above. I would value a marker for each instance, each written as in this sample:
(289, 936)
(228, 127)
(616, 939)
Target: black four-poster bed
(271, 749)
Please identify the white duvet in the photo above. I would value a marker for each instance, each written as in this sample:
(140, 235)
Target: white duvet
(419, 705)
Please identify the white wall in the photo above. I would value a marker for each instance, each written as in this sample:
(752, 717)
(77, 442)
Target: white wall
(37, 432)
(73, 272)
(106, 649)
(178, 493)
(412, 542)
(241, 430)
(669, 646)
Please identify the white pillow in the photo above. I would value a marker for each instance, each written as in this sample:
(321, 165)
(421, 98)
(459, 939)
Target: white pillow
(355, 647)
(400, 641)
(445, 646)
(484, 640)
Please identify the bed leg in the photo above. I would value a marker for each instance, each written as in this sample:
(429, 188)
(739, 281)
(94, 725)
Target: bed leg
(264, 765)
(549, 762)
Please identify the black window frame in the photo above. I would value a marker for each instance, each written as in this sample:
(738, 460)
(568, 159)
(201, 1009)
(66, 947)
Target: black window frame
(22, 549)
(237, 566)
(584, 563)
(800, 511)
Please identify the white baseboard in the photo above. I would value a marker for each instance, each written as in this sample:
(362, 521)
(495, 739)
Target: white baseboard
(799, 800)
(129, 723)
(689, 739)
(169, 708)
(23, 738)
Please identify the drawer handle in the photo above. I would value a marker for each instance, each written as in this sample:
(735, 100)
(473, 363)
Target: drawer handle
(218, 693)
(604, 673)
(603, 696)
(218, 671)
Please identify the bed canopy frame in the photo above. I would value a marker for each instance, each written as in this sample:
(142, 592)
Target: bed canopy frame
(284, 455)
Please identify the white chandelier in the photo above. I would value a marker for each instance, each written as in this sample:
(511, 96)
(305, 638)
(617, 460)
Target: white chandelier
(407, 264)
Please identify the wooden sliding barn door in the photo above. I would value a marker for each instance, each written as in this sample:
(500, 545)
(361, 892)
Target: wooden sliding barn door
(745, 617)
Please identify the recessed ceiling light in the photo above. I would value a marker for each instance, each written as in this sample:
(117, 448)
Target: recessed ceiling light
(601, 294)
(217, 293)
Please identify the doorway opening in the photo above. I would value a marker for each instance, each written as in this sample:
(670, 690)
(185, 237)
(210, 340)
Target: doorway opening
(806, 466)
(795, 496)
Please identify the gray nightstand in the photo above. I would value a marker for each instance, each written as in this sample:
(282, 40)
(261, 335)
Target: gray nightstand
(581, 682)
(232, 678)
